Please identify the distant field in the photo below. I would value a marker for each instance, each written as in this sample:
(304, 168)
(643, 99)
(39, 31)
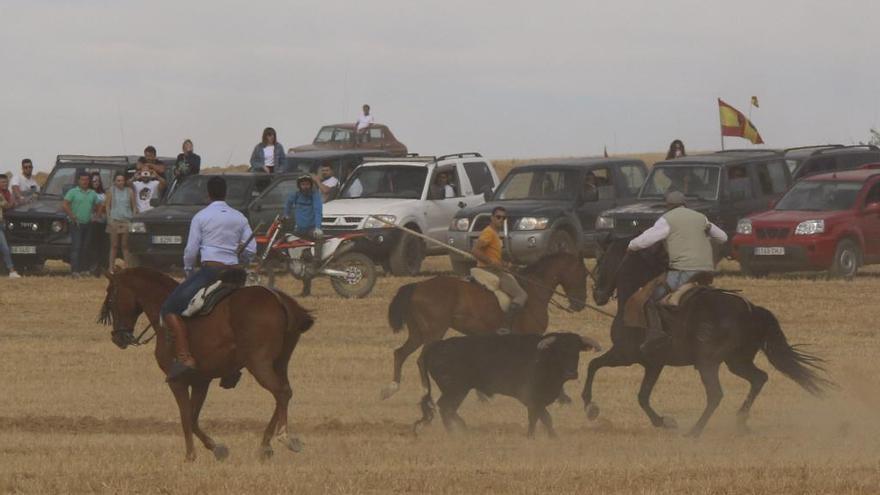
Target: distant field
(79, 415)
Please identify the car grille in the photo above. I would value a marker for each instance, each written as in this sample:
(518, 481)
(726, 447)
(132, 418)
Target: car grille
(341, 222)
(632, 226)
(771, 232)
(24, 229)
(168, 229)
(484, 219)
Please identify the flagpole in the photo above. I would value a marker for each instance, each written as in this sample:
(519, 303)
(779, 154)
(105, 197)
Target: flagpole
(720, 124)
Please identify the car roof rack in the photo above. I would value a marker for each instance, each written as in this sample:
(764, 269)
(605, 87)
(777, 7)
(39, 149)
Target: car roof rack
(870, 147)
(747, 150)
(467, 154)
(814, 146)
(93, 159)
(416, 158)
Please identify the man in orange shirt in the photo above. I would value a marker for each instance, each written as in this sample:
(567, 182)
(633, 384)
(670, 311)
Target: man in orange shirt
(487, 251)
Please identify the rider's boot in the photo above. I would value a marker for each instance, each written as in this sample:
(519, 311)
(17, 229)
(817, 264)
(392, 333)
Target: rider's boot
(655, 338)
(509, 318)
(183, 362)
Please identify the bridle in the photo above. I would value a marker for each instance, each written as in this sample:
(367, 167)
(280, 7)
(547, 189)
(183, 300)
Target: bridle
(124, 336)
(570, 299)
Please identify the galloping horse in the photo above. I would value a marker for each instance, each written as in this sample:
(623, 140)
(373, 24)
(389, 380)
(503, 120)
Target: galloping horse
(431, 307)
(717, 327)
(254, 328)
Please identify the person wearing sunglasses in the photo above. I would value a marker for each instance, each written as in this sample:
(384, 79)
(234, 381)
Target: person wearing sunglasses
(25, 186)
(487, 251)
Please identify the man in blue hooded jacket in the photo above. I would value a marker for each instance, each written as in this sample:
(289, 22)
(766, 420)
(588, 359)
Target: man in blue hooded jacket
(307, 207)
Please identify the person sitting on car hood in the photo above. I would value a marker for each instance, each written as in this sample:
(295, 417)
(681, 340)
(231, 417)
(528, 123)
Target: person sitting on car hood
(307, 207)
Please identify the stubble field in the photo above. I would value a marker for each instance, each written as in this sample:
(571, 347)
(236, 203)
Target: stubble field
(79, 415)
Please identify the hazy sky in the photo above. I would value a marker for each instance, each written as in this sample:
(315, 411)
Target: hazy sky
(509, 79)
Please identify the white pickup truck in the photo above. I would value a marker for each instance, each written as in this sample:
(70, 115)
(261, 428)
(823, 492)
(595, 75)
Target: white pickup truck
(411, 192)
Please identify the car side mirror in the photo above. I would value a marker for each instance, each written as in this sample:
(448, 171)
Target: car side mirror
(154, 202)
(487, 193)
(872, 208)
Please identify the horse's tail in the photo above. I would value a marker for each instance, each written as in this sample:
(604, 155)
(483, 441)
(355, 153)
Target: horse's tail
(399, 306)
(299, 319)
(802, 367)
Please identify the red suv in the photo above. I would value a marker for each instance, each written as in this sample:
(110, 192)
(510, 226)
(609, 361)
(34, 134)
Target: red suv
(824, 222)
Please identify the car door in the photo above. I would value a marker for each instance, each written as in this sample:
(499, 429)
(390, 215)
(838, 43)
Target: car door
(271, 203)
(870, 223)
(439, 210)
(598, 192)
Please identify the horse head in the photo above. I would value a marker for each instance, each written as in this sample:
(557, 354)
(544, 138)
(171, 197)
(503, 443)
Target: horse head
(569, 271)
(120, 310)
(619, 270)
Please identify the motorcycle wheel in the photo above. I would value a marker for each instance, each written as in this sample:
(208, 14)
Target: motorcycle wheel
(360, 278)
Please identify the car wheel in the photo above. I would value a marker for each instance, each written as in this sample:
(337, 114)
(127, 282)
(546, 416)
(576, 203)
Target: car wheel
(462, 267)
(407, 256)
(847, 258)
(561, 242)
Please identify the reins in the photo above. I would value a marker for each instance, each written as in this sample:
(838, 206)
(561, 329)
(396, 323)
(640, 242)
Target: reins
(137, 340)
(553, 292)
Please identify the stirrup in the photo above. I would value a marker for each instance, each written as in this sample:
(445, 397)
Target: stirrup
(179, 370)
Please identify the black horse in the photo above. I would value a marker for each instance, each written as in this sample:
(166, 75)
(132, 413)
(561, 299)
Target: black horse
(717, 327)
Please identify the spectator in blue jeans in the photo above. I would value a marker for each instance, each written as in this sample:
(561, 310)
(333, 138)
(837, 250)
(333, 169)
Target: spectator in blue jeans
(79, 204)
(5, 202)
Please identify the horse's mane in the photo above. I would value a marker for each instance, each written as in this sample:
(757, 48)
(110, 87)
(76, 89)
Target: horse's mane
(541, 265)
(133, 276)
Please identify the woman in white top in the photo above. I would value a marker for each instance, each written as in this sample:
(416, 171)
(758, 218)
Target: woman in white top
(268, 155)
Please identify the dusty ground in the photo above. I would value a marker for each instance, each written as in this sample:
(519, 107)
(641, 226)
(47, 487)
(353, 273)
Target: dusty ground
(79, 415)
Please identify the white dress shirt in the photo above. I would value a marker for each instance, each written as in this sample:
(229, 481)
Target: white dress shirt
(660, 231)
(215, 233)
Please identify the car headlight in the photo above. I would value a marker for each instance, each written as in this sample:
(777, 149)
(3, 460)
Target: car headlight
(460, 224)
(57, 226)
(810, 227)
(10, 226)
(744, 226)
(531, 223)
(604, 223)
(137, 228)
(375, 223)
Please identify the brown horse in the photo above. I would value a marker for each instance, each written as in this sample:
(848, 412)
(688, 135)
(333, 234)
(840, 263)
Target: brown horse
(254, 328)
(431, 307)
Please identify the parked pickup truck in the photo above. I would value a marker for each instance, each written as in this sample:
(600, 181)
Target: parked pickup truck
(407, 192)
(38, 231)
(551, 206)
(157, 237)
(725, 186)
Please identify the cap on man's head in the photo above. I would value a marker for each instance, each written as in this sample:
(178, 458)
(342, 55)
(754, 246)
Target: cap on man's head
(675, 198)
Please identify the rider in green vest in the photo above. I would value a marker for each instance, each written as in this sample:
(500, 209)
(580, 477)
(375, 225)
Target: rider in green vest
(688, 236)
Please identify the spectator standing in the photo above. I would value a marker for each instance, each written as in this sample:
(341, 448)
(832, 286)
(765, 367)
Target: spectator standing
(676, 150)
(153, 161)
(25, 186)
(147, 184)
(98, 226)
(188, 163)
(268, 155)
(4, 246)
(307, 207)
(79, 204)
(120, 206)
(6, 193)
(363, 124)
(327, 182)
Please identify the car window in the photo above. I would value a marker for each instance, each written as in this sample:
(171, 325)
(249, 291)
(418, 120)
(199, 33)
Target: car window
(276, 196)
(873, 195)
(479, 176)
(818, 165)
(438, 189)
(376, 133)
(194, 191)
(601, 179)
(820, 195)
(856, 160)
(341, 135)
(633, 178)
(696, 181)
(739, 184)
(64, 179)
(325, 135)
(386, 181)
(540, 184)
(772, 177)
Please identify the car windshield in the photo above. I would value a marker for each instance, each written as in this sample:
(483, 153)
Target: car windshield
(332, 134)
(697, 181)
(539, 184)
(64, 179)
(386, 181)
(814, 195)
(194, 192)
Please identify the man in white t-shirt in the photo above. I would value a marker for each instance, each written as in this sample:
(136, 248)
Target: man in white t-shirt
(147, 185)
(25, 186)
(327, 182)
(363, 124)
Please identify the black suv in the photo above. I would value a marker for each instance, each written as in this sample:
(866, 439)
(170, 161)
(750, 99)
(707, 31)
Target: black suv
(725, 186)
(38, 231)
(158, 236)
(551, 206)
(812, 160)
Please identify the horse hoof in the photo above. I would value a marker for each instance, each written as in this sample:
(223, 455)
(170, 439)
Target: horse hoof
(190, 457)
(592, 411)
(266, 453)
(389, 390)
(295, 445)
(669, 423)
(694, 433)
(220, 452)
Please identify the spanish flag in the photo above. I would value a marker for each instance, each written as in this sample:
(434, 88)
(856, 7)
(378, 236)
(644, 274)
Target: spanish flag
(734, 123)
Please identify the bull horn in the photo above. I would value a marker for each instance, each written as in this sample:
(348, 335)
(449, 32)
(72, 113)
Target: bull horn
(591, 344)
(546, 342)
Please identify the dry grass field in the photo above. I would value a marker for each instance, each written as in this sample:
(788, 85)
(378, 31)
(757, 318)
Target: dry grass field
(78, 415)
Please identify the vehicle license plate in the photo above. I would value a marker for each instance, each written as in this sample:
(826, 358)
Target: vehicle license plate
(167, 239)
(23, 249)
(769, 251)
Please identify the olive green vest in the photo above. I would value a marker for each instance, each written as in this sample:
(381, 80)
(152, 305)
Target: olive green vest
(688, 242)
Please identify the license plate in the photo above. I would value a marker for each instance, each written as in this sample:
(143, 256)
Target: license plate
(167, 239)
(769, 251)
(23, 249)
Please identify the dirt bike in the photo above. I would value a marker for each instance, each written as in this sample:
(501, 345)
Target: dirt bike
(352, 274)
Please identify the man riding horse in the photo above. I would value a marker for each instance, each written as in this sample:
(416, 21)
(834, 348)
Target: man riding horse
(487, 251)
(217, 233)
(688, 236)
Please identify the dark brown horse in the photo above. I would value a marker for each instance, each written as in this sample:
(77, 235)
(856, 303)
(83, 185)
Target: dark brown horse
(432, 307)
(254, 328)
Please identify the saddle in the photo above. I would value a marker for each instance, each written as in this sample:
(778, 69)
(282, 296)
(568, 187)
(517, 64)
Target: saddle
(492, 283)
(634, 312)
(208, 297)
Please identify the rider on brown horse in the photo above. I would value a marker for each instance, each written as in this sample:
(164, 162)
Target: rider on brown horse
(487, 250)
(688, 236)
(216, 233)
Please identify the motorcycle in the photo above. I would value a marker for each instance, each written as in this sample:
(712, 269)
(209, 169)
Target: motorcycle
(352, 274)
